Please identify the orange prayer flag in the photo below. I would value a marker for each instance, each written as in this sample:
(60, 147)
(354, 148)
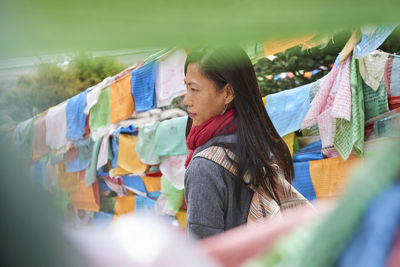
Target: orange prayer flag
(128, 159)
(330, 176)
(118, 171)
(122, 104)
(67, 181)
(308, 74)
(152, 183)
(86, 198)
(181, 217)
(124, 205)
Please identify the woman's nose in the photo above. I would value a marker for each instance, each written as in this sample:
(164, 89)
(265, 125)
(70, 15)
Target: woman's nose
(186, 99)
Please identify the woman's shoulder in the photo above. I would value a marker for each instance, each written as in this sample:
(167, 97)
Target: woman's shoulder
(229, 139)
(203, 167)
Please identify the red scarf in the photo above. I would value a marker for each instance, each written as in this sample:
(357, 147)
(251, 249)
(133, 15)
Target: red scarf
(199, 135)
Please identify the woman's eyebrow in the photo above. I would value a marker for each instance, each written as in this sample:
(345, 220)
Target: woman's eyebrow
(190, 83)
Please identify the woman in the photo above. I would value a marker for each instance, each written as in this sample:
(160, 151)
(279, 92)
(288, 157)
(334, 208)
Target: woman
(226, 110)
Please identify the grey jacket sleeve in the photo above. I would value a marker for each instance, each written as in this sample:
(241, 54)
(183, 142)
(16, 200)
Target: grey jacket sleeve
(205, 193)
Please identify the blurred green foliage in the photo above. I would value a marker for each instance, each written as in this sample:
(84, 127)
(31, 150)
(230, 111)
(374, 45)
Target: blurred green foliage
(31, 27)
(52, 84)
(299, 61)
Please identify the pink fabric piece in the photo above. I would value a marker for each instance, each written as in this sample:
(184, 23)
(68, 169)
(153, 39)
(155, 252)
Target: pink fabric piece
(333, 100)
(235, 246)
(342, 102)
(173, 168)
(326, 127)
(320, 100)
(103, 152)
(330, 152)
(170, 78)
(115, 184)
(394, 255)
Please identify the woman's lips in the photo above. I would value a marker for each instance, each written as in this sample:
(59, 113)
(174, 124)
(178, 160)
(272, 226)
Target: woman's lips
(191, 115)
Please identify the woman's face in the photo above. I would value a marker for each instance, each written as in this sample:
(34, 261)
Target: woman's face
(202, 99)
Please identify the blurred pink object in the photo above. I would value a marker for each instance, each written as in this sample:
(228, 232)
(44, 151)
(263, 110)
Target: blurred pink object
(394, 256)
(115, 184)
(234, 247)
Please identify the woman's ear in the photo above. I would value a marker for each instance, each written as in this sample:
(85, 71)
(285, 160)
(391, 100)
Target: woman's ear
(229, 93)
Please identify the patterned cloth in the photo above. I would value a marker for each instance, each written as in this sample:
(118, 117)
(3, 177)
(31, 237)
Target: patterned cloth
(68, 181)
(387, 126)
(135, 183)
(170, 137)
(287, 109)
(143, 86)
(146, 145)
(349, 135)
(371, 39)
(394, 101)
(372, 68)
(86, 197)
(100, 116)
(121, 101)
(170, 78)
(302, 180)
(309, 152)
(85, 147)
(330, 176)
(173, 169)
(173, 195)
(124, 205)
(128, 159)
(76, 118)
(78, 164)
(375, 102)
(144, 204)
(395, 77)
(56, 127)
(104, 152)
(333, 100)
(91, 172)
(152, 183)
(94, 93)
(342, 103)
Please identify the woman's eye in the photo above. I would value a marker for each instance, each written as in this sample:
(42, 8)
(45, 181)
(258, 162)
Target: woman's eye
(194, 90)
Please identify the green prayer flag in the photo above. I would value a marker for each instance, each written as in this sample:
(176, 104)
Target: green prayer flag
(349, 135)
(173, 196)
(100, 114)
(91, 172)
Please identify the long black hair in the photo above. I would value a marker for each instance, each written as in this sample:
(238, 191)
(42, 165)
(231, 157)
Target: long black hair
(262, 153)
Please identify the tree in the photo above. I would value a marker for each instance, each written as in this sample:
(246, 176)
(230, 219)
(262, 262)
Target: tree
(51, 85)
